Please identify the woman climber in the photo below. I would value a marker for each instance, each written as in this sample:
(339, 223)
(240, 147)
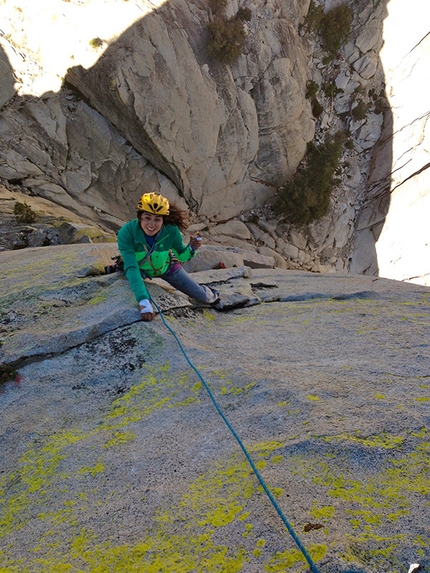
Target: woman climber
(152, 246)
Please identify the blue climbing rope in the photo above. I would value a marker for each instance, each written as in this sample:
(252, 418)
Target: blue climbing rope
(242, 446)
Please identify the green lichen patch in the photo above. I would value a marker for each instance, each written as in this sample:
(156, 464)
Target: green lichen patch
(45, 464)
(285, 560)
(120, 437)
(323, 513)
(375, 506)
(28, 488)
(158, 389)
(185, 537)
(386, 441)
(236, 390)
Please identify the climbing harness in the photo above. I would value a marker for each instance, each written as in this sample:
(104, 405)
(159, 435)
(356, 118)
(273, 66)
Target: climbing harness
(242, 446)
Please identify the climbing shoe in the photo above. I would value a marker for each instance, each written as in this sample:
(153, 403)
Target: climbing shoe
(118, 265)
(109, 269)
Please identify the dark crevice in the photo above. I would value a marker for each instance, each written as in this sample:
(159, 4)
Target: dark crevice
(423, 168)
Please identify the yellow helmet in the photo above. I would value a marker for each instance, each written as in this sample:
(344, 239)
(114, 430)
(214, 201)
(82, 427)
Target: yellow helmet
(154, 203)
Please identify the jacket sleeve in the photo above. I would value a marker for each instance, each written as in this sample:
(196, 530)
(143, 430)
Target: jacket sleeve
(131, 268)
(183, 252)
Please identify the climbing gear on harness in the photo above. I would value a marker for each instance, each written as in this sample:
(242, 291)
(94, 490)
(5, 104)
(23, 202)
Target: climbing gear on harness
(242, 446)
(154, 203)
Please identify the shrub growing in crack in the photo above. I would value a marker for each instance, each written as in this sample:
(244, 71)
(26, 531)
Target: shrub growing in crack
(7, 373)
(335, 28)
(306, 197)
(227, 35)
(24, 213)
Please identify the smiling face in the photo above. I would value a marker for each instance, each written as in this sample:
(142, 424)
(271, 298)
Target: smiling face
(151, 224)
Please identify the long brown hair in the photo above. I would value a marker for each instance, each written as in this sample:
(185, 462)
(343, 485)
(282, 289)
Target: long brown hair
(176, 216)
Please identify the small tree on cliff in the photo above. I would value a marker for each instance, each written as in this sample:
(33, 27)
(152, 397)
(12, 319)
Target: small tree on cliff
(334, 26)
(228, 35)
(306, 197)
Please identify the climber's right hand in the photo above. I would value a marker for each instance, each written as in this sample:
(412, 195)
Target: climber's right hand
(146, 311)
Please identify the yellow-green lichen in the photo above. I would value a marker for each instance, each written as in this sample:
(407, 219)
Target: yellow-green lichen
(157, 390)
(236, 390)
(208, 315)
(30, 484)
(263, 449)
(322, 513)
(377, 500)
(219, 497)
(120, 437)
(97, 299)
(386, 441)
(285, 560)
(94, 470)
(213, 501)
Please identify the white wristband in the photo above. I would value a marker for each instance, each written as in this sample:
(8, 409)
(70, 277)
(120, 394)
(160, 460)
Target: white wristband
(145, 306)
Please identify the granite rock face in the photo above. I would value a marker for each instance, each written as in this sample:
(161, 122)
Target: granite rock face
(393, 234)
(109, 103)
(223, 136)
(112, 453)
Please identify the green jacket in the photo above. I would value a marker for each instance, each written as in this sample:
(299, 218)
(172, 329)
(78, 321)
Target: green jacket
(134, 250)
